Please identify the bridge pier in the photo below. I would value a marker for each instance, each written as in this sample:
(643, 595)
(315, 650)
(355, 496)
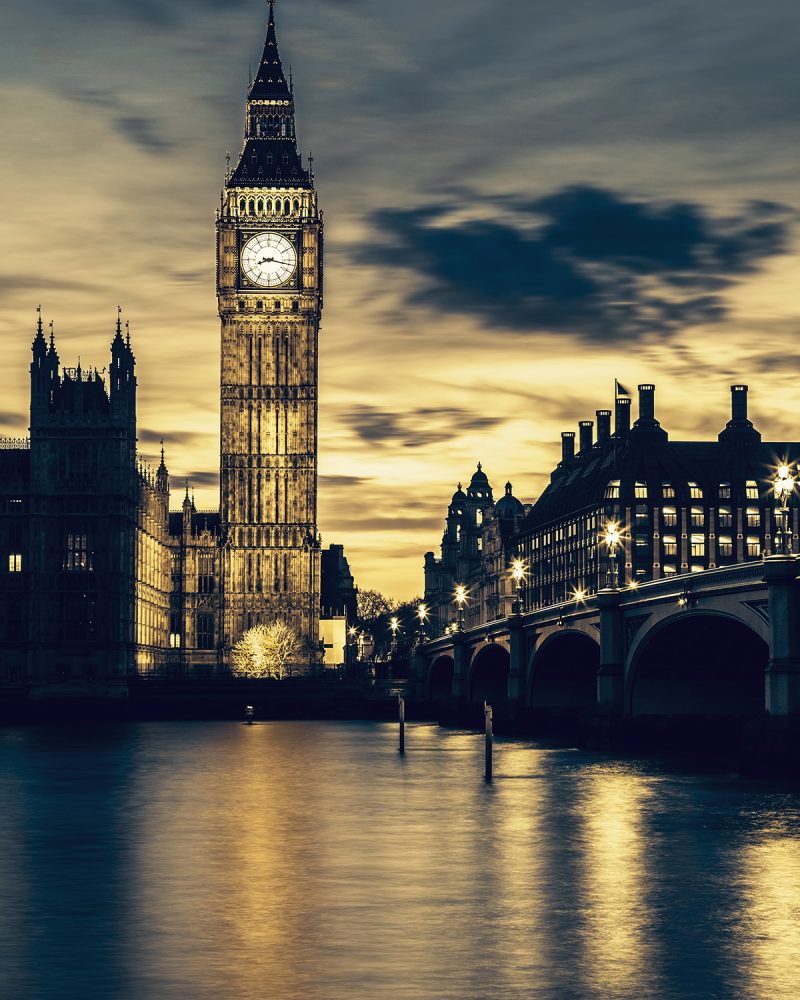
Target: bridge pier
(611, 675)
(460, 667)
(782, 682)
(518, 660)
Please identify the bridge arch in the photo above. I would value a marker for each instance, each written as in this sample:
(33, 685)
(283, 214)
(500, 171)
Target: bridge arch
(563, 671)
(488, 675)
(698, 663)
(440, 679)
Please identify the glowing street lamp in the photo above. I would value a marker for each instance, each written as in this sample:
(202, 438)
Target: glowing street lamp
(422, 617)
(518, 573)
(461, 599)
(579, 596)
(783, 487)
(394, 625)
(612, 538)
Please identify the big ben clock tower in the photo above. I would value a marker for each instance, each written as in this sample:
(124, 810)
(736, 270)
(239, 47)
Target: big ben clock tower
(269, 290)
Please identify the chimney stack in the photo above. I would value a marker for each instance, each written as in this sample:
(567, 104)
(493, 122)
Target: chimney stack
(585, 435)
(603, 426)
(647, 403)
(738, 402)
(622, 423)
(567, 446)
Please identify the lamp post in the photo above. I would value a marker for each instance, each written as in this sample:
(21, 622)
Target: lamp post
(394, 625)
(783, 488)
(612, 539)
(461, 600)
(422, 615)
(518, 573)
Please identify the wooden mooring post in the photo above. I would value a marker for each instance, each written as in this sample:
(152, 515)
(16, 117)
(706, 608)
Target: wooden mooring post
(401, 709)
(488, 748)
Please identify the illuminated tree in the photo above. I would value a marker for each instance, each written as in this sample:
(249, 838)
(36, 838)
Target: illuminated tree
(265, 651)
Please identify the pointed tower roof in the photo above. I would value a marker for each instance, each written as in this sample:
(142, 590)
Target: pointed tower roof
(270, 83)
(39, 343)
(269, 157)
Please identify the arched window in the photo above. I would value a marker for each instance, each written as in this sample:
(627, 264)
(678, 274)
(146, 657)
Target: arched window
(695, 491)
(241, 205)
(251, 207)
(640, 491)
(287, 207)
(612, 490)
(297, 204)
(277, 206)
(260, 206)
(269, 206)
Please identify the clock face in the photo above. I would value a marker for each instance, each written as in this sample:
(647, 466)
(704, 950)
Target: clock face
(268, 259)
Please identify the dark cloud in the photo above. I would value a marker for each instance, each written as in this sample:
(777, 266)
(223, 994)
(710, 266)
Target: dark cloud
(413, 428)
(171, 437)
(343, 482)
(202, 479)
(584, 260)
(144, 131)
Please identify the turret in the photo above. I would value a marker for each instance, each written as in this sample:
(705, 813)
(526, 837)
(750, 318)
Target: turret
(40, 372)
(187, 513)
(122, 387)
(162, 476)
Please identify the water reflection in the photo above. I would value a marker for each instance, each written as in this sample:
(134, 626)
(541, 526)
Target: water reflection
(308, 861)
(770, 926)
(619, 939)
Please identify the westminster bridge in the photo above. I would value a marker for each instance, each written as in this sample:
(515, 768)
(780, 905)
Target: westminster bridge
(722, 642)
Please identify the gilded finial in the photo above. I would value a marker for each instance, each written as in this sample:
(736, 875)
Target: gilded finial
(39, 318)
(127, 333)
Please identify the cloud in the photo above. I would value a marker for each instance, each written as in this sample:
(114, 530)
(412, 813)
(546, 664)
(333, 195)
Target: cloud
(141, 130)
(413, 428)
(171, 438)
(584, 260)
(202, 479)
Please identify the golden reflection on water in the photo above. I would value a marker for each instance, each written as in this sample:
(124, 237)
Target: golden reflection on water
(770, 878)
(619, 951)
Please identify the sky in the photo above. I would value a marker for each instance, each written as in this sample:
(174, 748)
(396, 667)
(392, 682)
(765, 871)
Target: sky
(524, 200)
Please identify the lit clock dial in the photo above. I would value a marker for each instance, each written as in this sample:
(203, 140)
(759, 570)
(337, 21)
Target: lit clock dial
(269, 259)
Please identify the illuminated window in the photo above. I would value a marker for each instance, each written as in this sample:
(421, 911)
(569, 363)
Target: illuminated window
(698, 517)
(725, 517)
(15, 562)
(670, 545)
(668, 569)
(697, 568)
(670, 515)
(725, 546)
(724, 491)
(458, 532)
(480, 545)
(751, 489)
(640, 491)
(695, 491)
(698, 545)
(753, 515)
(668, 491)
(612, 490)
(753, 546)
(642, 515)
(77, 559)
(174, 640)
(479, 516)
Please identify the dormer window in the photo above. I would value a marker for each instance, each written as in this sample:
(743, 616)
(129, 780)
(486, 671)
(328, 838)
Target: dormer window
(612, 490)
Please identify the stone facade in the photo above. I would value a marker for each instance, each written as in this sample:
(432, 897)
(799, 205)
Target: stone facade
(477, 551)
(269, 287)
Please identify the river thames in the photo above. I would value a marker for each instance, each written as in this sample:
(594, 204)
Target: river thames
(308, 860)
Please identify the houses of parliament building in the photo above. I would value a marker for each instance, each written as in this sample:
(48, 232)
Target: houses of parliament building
(100, 581)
